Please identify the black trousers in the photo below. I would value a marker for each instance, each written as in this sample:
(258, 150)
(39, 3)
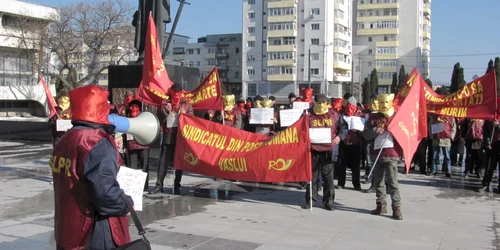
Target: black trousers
(493, 162)
(474, 159)
(351, 155)
(430, 156)
(420, 156)
(457, 153)
(322, 162)
(139, 159)
(166, 157)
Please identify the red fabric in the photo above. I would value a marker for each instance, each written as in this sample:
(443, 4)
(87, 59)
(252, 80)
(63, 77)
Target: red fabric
(231, 116)
(475, 130)
(50, 98)
(90, 104)
(378, 120)
(447, 122)
(135, 110)
(175, 96)
(328, 120)
(337, 104)
(409, 126)
(241, 107)
(477, 99)
(212, 149)
(208, 95)
(307, 94)
(350, 109)
(354, 137)
(74, 212)
(155, 81)
(127, 99)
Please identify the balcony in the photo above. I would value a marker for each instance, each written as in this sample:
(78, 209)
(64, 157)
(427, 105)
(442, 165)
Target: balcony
(340, 35)
(280, 62)
(222, 68)
(374, 32)
(387, 69)
(282, 77)
(378, 6)
(342, 50)
(426, 46)
(282, 33)
(281, 4)
(277, 19)
(387, 44)
(426, 35)
(178, 57)
(209, 56)
(427, 22)
(281, 48)
(342, 77)
(427, 9)
(384, 81)
(207, 68)
(386, 56)
(341, 65)
(376, 18)
(222, 55)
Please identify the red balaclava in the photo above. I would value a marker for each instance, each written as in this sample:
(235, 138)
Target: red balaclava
(135, 110)
(248, 105)
(337, 104)
(175, 96)
(350, 109)
(90, 104)
(241, 106)
(307, 94)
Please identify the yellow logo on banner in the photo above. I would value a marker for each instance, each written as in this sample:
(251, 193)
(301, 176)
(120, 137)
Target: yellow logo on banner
(281, 164)
(191, 159)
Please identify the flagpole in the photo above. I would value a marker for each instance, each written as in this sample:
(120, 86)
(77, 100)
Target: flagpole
(378, 156)
(311, 194)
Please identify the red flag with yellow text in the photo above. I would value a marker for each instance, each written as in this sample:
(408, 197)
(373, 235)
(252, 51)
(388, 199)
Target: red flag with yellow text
(50, 98)
(155, 81)
(409, 124)
(208, 95)
(212, 149)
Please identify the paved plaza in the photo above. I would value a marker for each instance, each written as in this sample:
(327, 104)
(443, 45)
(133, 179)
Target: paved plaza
(439, 213)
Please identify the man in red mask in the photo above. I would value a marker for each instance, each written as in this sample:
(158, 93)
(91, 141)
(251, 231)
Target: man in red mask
(138, 155)
(84, 165)
(122, 108)
(177, 105)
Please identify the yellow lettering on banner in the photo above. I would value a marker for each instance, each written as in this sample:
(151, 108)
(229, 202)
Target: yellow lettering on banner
(455, 112)
(403, 127)
(163, 96)
(287, 136)
(235, 145)
(212, 78)
(233, 165)
(204, 94)
(411, 80)
(204, 137)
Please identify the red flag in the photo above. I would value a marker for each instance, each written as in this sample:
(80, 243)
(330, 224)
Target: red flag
(50, 98)
(409, 124)
(155, 81)
(208, 95)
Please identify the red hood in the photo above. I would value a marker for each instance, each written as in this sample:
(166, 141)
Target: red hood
(90, 104)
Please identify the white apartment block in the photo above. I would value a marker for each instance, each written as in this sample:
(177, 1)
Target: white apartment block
(388, 34)
(281, 37)
(20, 90)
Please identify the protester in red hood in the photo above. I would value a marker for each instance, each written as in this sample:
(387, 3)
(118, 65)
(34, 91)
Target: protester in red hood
(138, 155)
(337, 104)
(89, 203)
(248, 104)
(307, 94)
(122, 108)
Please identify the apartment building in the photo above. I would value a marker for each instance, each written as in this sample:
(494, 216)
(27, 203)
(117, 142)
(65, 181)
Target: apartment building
(388, 34)
(20, 90)
(289, 45)
(218, 50)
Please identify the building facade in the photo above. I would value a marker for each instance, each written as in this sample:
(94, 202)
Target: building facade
(289, 45)
(388, 34)
(219, 50)
(20, 90)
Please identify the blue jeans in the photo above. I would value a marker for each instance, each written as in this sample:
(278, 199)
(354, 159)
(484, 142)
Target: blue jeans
(446, 161)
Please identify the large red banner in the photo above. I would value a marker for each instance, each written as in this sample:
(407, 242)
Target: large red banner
(155, 81)
(208, 95)
(409, 125)
(477, 99)
(213, 149)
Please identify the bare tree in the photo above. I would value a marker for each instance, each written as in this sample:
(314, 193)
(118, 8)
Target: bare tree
(85, 38)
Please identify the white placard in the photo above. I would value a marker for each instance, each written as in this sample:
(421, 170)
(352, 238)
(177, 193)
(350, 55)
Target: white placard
(354, 122)
(130, 137)
(381, 142)
(320, 135)
(261, 116)
(173, 120)
(290, 116)
(132, 182)
(301, 105)
(437, 128)
(63, 125)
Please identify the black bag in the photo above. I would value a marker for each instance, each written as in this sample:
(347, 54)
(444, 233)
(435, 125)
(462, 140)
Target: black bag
(140, 244)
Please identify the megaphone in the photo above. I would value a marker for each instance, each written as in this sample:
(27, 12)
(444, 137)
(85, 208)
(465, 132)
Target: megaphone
(145, 127)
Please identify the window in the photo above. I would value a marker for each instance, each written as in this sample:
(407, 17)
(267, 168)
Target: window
(281, 70)
(383, 90)
(282, 26)
(341, 43)
(211, 62)
(387, 50)
(342, 29)
(370, 52)
(251, 29)
(315, 26)
(198, 51)
(251, 71)
(198, 63)
(385, 75)
(315, 11)
(251, 43)
(315, 41)
(370, 64)
(236, 74)
(315, 56)
(251, 1)
(274, 41)
(282, 11)
(339, 14)
(250, 58)
(281, 55)
(369, 39)
(341, 2)
(252, 89)
(251, 15)
(190, 51)
(314, 71)
(236, 62)
(288, 40)
(386, 63)
(237, 50)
